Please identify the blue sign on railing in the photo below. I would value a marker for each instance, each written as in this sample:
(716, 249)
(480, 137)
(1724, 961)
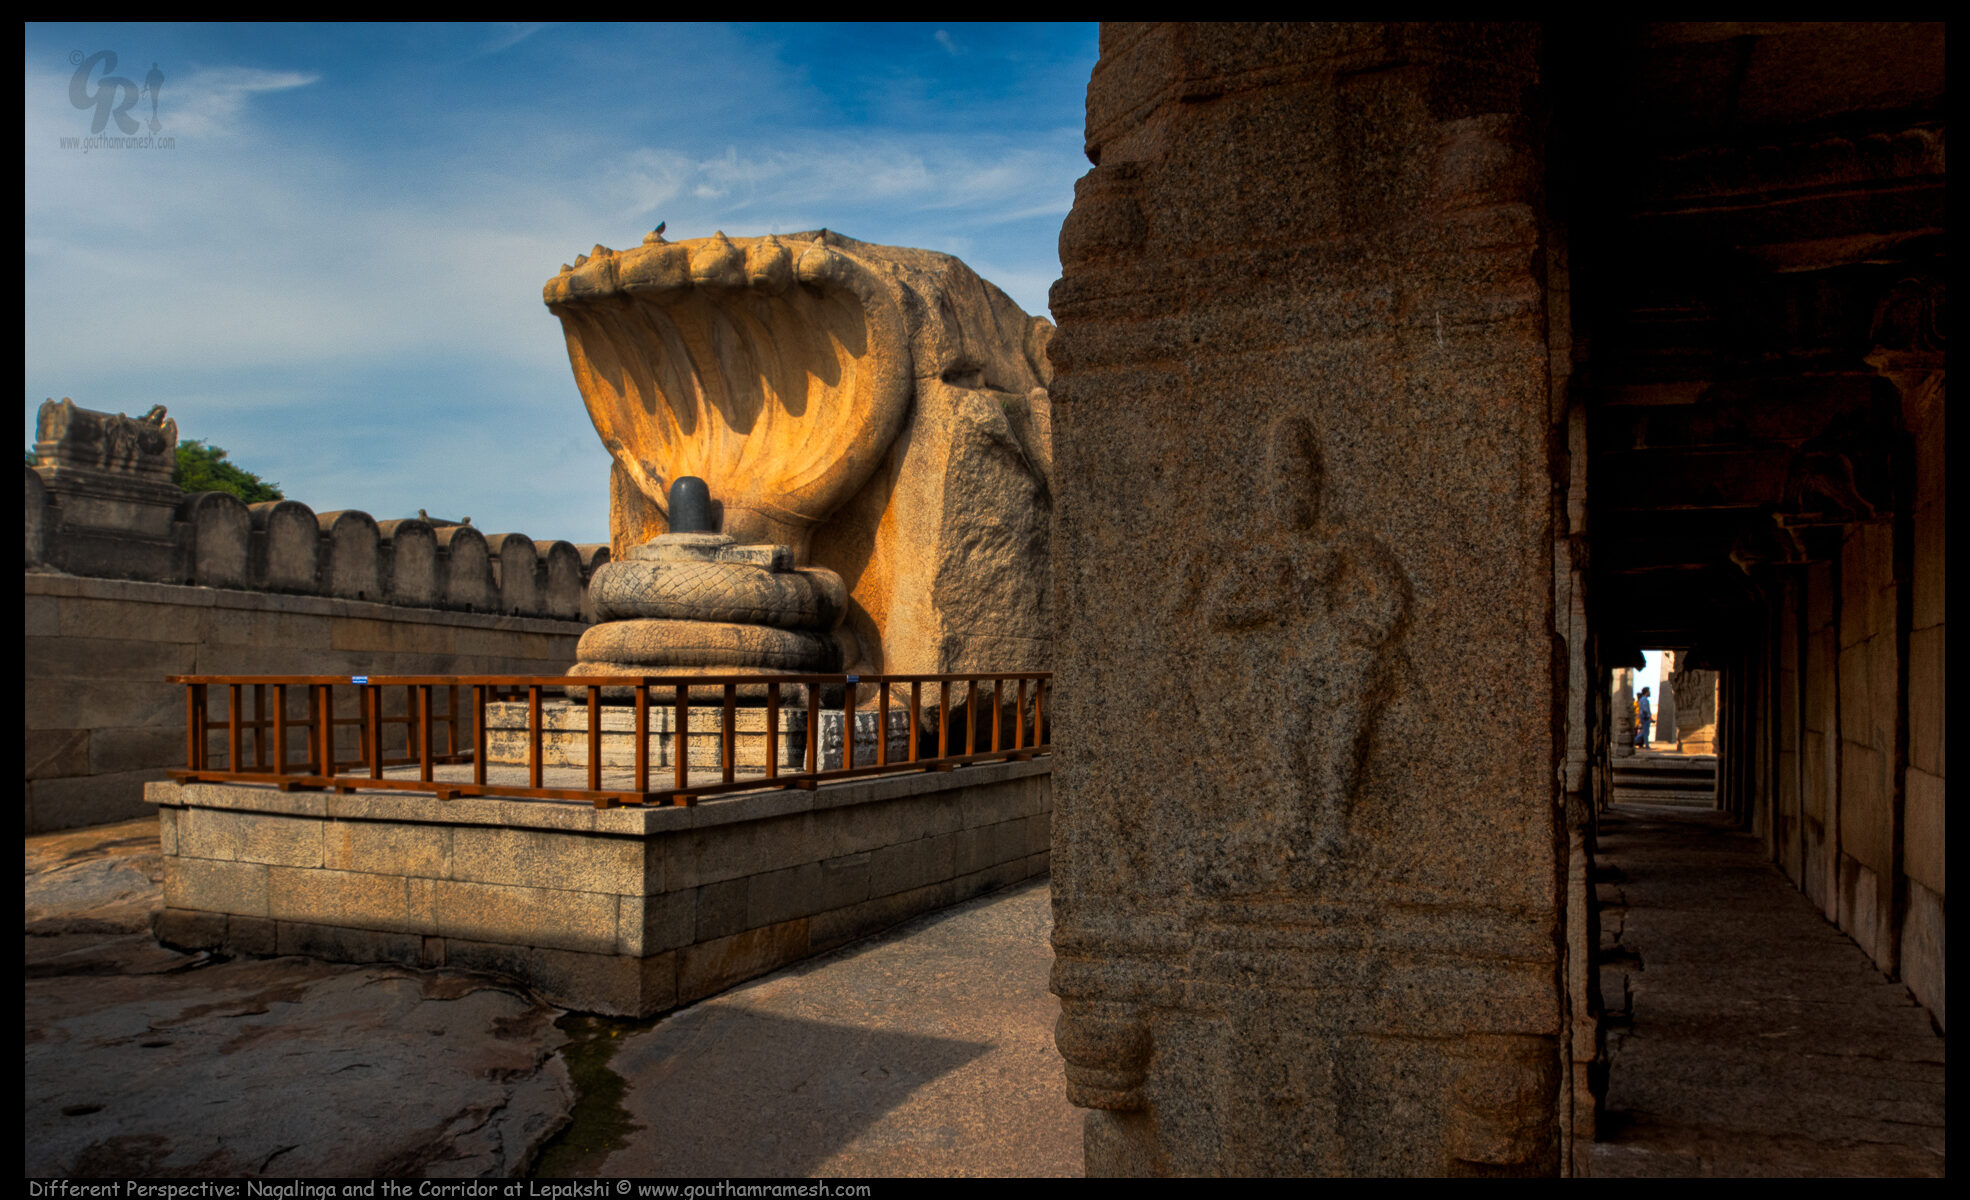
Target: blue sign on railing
(358, 679)
(854, 679)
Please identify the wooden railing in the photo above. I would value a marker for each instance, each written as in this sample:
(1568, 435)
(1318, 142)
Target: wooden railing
(447, 745)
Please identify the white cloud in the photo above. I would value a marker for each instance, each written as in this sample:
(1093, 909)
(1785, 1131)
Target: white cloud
(510, 34)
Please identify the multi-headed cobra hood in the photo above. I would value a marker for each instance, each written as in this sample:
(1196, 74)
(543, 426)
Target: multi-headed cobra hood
(779, 369)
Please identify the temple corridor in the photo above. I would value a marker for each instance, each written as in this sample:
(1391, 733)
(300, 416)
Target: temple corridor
(1746, 1035)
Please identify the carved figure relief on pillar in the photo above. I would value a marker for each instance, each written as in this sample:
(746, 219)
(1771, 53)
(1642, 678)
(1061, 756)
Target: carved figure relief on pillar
(1325, 604)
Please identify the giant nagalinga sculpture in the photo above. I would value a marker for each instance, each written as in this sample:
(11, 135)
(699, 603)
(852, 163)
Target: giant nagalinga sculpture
(872, 432)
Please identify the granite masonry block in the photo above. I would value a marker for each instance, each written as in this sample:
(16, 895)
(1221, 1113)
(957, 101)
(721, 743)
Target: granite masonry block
(214, 886)
(105, 658)
(351, 899)
(777, 896)
(548, 917)
(252, 935)
(349, 635)
(752, 848)
(832, 928)
(43, 616)
(423, 851)
(721, 909)
(493, 958)
(56, 753)
(338, 944)
(990, 845)
(87, 799)
(70, 703)
(547, 859)
(845, 880)
(650, 924)
(250, 837)
(709, 967)
(116, 619)
(912, 865)
(112, 751)
(189, 929)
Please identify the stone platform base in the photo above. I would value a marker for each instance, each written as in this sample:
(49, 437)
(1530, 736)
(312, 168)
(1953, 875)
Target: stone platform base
(564, 736)
(626, 911)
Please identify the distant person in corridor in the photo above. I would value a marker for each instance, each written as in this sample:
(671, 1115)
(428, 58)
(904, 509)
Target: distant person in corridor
(1644, 717)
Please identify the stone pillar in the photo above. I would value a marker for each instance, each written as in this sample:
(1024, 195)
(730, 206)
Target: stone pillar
(1696, 708)
(1624, 712)
(1665, 703)
(1309, 843)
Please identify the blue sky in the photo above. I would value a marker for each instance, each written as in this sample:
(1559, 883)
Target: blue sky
(334, 270)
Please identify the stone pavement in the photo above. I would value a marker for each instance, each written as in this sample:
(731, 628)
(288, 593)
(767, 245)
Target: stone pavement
(1758, 1040)
(924, 1051)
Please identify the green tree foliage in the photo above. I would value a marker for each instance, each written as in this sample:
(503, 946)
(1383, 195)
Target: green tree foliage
(202, 467)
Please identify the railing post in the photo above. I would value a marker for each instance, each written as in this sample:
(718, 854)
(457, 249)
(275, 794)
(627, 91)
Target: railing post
(479, 739)
(313, 764)
(280, 729)
(643, 735)
(534, 763)
(1019, 719)
(371, 698)
(971, 716)
(813, 726)
(325, 700)
(882, 723)
(998, 706)
(943, 717)
(728, 749)
(680, 733)
(424, 732)
(232, 729)
(773, 730)
(594, 739)
(916, 712)
(260, 726)
(1040, 711)
(194, 730)
(848, 724)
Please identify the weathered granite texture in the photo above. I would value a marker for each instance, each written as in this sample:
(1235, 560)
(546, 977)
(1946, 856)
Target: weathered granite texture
(1311, 840)
(880, 411)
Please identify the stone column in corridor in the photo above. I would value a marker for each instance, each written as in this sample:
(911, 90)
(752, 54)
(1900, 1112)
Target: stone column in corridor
(1625, 727)
(1665, 704)
(1309, 842)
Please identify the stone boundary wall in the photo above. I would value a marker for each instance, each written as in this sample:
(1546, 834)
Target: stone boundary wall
(101, 722)
(627, 911)
(213, 539)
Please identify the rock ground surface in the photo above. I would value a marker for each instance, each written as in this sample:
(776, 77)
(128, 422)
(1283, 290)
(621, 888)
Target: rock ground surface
(927, 1051)
(141, 1061)
(1758, 1039)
